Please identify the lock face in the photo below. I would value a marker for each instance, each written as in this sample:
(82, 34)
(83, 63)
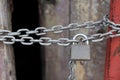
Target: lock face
(80, 52)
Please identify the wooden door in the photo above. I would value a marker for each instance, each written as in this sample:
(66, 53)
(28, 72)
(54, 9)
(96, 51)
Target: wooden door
(64, 12)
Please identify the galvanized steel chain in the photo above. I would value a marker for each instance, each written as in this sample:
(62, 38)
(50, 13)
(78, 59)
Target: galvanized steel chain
(8, 37)
(71, 65)
(114, 32)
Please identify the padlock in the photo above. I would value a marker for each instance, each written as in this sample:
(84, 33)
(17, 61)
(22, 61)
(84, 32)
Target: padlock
(81, 50)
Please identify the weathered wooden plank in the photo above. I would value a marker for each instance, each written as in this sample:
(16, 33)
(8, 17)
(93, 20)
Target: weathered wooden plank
(56, 12)
(65, 12)
(7, 70)
(81, 11)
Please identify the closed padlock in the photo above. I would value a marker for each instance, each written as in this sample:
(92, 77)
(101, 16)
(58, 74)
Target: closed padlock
(81, 50)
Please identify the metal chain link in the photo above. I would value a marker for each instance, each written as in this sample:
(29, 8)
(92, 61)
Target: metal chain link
(27, 40)
(8, 37)
(71, 65)
(114, 32)
(55, 29)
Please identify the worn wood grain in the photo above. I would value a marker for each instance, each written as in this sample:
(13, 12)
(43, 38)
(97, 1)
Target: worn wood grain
(7, 68)
(65, 12)
(56, 57)
(87, 10)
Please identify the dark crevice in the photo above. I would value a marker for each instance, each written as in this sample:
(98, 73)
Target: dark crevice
(29, 60)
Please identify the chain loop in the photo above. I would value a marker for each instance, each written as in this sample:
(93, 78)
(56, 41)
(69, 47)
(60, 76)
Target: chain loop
(4, 32)
(74, 26)
(9, 37)
(40, 31)
(13, 34)
(57, 29)
(45, 41)
(71, 65)
(23, 32)
(63, 42)
(27, 40)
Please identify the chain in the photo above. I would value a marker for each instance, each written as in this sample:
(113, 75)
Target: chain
(42, 41)
(71, 65)
(114, 32)
(8, 37)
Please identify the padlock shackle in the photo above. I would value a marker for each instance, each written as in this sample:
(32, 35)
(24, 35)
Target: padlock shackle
(83, 36)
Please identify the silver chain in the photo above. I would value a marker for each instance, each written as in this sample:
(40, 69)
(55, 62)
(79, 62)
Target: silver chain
(71, 65)
(8, 37)
(114, 32)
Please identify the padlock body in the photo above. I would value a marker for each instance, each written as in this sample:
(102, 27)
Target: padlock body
(80, 52)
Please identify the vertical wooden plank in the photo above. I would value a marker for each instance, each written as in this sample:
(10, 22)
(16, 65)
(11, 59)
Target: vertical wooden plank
(7, 70)
(65, 12)
(56, 12)
(87, 10)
